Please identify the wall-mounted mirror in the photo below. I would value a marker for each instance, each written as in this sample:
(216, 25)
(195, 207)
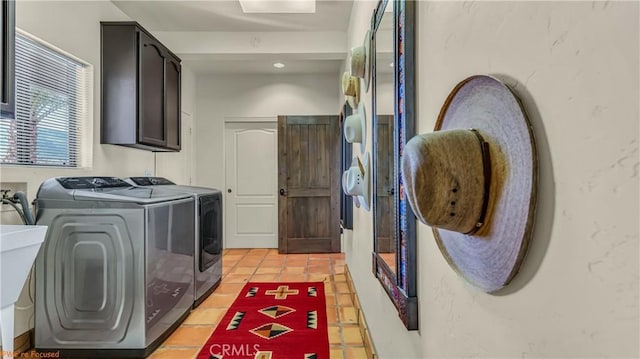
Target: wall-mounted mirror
(394, 258)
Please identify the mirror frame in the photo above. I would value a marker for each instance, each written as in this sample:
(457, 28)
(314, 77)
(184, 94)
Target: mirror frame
(400, 286)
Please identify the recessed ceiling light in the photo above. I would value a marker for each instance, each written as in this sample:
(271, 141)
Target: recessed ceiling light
(278, 65)
(278, 6)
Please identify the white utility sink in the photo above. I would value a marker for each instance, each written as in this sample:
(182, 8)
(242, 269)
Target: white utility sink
(19, 246)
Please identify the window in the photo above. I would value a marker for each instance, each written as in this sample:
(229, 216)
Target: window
(52, 90)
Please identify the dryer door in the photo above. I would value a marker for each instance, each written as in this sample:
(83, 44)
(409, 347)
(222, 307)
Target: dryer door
(210, 241)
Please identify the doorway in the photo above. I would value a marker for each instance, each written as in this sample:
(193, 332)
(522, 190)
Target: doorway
(251, 193)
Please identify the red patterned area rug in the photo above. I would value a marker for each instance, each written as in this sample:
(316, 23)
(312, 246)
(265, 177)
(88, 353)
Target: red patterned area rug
(273, 321)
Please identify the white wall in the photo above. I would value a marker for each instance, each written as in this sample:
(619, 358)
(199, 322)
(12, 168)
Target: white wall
(575, 67)
(222, 96)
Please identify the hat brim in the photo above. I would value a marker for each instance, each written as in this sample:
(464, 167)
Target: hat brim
(368, 63)
(491, 257)
(365, 199)
(354, 101)
(363, 121)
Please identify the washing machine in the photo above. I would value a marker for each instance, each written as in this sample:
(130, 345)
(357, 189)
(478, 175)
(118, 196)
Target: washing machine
(208, 232)
(114, 276)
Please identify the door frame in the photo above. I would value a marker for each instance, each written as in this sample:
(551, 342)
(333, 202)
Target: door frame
(234, 119)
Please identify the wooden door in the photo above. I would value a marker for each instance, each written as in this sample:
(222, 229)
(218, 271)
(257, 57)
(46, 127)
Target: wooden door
(251, 177)
(384, 186)
(309, 184)
(172, 103)
(152, 130)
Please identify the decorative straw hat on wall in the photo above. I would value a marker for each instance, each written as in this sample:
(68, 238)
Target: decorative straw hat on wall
(474, 181)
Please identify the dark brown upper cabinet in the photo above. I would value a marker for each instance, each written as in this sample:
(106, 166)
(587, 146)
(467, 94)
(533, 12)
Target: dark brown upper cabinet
(7, 58)
(140, 89)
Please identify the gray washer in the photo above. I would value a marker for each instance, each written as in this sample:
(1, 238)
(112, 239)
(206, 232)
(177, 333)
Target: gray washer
(208, 232)
(114, 276)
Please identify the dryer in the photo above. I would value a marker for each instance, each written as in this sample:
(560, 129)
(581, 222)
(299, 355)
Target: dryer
(208, 232)
(114, 276)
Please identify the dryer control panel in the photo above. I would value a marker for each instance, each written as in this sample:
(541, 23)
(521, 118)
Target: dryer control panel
(91, 182)
(151, 181)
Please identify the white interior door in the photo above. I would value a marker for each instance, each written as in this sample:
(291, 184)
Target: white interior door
(251, 193)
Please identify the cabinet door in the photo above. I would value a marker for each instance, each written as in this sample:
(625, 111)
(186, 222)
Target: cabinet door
(172, 114)
(152, 66)
(7, 41)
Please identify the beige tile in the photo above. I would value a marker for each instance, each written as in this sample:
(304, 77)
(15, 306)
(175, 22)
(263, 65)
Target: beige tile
(351, 335)
(293, 278)
(334, 335)
(218, 301)
(237, 278)
(295, 263)
(344, 300)
(174, 353)
(249, 262)
(332, 315)
(243, 270)
(355, 353)
(312, 277)
(293, 270)
(340, 278)
(341, 287)
(189, 336)
(229, 288)
(338, 269)
(264, 278)
(236, 251)
(231, 258)
(367, 343)
(320, 269)
(328, 288)
(348, 315)
(336, 353)
(272, 262)
(205, 316)
(331, 300)
(268, 270)
(258, 252)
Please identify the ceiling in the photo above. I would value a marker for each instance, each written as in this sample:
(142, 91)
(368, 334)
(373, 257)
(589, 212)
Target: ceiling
(193, 19)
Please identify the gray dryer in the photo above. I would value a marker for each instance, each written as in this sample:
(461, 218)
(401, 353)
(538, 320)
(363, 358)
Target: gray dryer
(208, 232)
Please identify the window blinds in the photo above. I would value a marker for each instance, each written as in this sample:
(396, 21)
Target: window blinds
(51, 107)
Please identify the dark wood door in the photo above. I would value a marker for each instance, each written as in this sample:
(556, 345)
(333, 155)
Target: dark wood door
(152, 63)
(309, 184)
(172, 93)
(384, 186)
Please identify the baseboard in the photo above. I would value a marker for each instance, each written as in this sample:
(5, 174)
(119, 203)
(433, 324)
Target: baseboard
(22, 343)
(362, 323)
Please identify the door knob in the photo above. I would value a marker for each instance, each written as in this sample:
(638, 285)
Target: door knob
(229, 190)
(283, 192)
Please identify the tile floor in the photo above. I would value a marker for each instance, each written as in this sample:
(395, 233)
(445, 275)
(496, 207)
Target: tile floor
(266, 265)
